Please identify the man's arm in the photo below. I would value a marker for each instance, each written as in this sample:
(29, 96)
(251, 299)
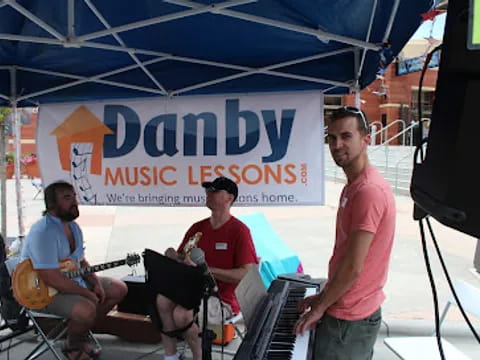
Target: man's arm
(349, 269)
(55, 279)
(348, 272)
(232, 276)
(93, 279)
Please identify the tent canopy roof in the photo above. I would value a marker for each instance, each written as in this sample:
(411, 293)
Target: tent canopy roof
(77, 50)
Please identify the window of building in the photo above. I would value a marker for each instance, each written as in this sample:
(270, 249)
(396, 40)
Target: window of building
(426, 103)
(333, 100)
(330, 103)
(384, 120)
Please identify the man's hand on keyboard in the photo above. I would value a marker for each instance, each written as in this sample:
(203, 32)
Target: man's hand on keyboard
(308, 321)
(306, 303)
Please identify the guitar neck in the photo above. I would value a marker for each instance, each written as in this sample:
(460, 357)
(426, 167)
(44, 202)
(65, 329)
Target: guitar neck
(91, 269)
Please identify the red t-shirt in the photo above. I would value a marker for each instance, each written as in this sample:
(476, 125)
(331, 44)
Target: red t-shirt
(227, 247)
(366, 204)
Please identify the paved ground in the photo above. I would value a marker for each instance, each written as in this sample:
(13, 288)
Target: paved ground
(111, 232)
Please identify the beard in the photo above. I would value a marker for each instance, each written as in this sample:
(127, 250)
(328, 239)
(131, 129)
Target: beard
(70, 214)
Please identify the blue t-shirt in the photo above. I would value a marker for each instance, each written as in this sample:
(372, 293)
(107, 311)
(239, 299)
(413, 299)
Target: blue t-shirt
(46, 245)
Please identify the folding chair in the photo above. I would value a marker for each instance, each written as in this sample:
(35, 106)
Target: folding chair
(47, 339)
(235, 321)
(50, 338)
(426, 347)
(250, 292)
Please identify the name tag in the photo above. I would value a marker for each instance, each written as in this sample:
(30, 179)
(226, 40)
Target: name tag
(221, 246)
(344, 202)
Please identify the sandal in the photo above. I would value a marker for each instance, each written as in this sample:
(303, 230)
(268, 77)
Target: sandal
(82, 349)
(75, 354)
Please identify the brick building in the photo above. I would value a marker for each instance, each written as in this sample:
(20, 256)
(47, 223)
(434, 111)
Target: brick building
(393, 95)
(28, 130)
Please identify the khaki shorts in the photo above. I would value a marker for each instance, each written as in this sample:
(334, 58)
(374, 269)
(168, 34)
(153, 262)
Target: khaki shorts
(215, 311)
(62, 304)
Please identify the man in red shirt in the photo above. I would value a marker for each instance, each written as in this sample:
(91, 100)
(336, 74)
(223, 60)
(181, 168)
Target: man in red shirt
(347, 312)
(229, 252)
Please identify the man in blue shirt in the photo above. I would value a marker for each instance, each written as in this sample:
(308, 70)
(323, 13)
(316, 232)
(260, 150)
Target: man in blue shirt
(83, 300)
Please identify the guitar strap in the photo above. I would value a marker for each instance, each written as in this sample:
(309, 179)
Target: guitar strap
(178, 333)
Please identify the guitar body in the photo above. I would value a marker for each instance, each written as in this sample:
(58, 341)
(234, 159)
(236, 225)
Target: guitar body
(29, 290)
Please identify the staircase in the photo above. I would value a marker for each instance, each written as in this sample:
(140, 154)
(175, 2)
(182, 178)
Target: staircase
(395, 163)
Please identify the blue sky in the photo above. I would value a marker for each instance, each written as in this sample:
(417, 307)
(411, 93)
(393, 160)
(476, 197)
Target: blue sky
(426, 27)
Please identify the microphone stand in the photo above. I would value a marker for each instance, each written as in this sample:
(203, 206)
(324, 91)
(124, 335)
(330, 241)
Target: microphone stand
(207, 335)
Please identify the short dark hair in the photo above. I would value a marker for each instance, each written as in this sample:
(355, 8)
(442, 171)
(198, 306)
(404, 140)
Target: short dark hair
(347, 111)
(50, 194)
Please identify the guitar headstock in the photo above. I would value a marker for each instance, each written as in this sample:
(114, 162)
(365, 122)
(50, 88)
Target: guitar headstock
(191, 243)
(132, 259)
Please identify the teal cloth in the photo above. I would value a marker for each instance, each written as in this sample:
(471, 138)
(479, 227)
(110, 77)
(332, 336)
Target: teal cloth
(276, 257)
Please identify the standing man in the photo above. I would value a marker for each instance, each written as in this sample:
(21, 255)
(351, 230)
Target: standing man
(83, 300)
(347, 312)
(230, 254)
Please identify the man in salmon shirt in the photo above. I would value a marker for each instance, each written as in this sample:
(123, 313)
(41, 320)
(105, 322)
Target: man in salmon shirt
(230, 254)
(347, 313)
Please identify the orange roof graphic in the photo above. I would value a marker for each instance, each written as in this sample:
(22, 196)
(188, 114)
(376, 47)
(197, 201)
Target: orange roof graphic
(79, 121)
(81, 126)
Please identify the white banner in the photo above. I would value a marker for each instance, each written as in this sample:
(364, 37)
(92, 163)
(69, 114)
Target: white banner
(158, 151)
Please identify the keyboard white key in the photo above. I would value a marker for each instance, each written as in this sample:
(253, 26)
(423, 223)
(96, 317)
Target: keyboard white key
(300, 348)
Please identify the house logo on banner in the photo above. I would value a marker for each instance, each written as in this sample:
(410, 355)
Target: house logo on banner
(80, 145)
(159, 151)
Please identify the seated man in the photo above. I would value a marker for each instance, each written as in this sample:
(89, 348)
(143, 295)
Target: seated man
(229, 252)
(83, 300)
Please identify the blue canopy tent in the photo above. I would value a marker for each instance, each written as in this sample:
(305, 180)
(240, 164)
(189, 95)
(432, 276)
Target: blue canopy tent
(80, 50)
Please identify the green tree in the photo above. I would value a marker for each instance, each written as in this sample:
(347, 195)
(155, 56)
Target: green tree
(4, 111)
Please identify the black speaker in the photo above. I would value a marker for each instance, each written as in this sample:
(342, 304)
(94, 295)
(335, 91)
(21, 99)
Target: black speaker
(445, 185)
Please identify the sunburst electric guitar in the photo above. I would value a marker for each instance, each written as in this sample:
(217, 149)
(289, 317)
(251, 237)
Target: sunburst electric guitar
(191, 243)
(33, 293)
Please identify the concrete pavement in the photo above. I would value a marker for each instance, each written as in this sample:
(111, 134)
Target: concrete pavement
(111, 232)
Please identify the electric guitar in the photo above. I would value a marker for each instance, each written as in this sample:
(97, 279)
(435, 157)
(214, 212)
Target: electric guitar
(191, 243)
(33, 293)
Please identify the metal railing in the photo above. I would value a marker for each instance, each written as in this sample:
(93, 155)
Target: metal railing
(407, 132)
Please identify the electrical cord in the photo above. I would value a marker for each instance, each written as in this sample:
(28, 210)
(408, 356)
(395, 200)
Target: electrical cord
(449, 280)
(420, 85)
(421, 142)
(223, 326)
(419, 149)
(434, 289)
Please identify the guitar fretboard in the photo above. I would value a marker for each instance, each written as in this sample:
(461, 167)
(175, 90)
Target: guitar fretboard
(92, 269)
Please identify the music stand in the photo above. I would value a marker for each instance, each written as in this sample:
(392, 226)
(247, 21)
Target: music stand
(207, 335)
(194, 287)
(181, 283)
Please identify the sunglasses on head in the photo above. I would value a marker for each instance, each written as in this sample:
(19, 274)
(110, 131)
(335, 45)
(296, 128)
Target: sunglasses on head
(356, 111)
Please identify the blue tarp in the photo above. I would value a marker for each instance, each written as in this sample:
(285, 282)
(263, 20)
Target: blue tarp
(276, 258)
(195, 47)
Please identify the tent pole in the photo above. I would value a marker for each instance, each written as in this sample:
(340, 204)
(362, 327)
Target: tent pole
(3, 181)
(357, 98)
(71, 19)
(391, 20)
(18, 151)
